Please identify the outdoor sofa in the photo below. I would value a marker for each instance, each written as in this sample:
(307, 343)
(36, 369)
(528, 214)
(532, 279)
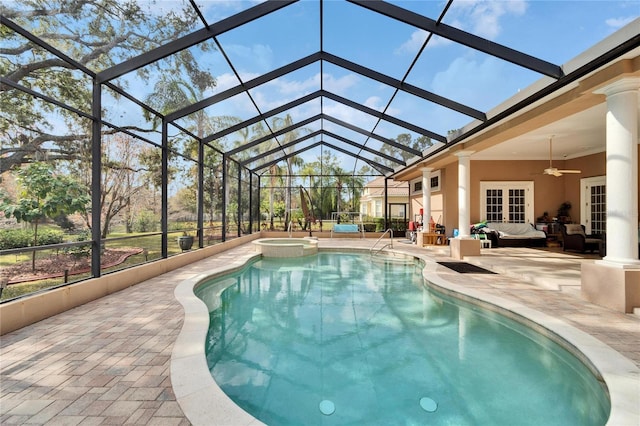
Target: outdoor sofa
(513, 234)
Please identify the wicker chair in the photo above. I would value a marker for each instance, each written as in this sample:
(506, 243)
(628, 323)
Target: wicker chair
(575, 238)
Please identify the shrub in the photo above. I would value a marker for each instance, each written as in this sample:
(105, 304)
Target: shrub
(369, 227)
(50, 237)
(146, 221)
(15, 238)
(398, 225)
(80, 251)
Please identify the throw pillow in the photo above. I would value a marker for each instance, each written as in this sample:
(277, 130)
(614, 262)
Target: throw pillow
(574, 228)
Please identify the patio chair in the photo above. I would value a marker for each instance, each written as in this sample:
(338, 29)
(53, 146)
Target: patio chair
(575, 238)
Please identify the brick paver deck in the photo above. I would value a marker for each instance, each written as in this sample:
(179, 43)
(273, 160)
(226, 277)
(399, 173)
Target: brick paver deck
(107, 362)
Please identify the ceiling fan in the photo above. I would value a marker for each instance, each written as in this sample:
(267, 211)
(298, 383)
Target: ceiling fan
(553, 171)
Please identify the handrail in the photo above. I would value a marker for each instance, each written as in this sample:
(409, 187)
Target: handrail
(390, 231)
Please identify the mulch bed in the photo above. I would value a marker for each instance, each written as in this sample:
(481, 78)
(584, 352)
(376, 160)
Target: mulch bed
(55, 265)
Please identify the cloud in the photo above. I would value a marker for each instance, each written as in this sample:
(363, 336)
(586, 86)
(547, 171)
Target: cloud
(482, 17)
(340, 85)
(619, 22)
(479, 17)
(223, 82)
(350, 115)
(374, 102)
(287, 87)
(414, 43)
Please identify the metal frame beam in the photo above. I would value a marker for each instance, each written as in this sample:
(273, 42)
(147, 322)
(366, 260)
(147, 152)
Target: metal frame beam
(405, 87)
(326, 133)
(371, 135)
(379, 167)
(274, 135)
(343, 63)
(244, 87)
(373, 164)
(261, 117)
(281, 147)
(462, 37)
(364, 148)
(334, 97)
(192, 39)
(328, 118)
(383, 116)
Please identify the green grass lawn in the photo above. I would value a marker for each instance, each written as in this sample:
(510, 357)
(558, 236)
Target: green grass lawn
(150, 244)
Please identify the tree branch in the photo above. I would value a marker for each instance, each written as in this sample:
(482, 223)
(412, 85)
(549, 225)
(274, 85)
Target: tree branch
(25, 70)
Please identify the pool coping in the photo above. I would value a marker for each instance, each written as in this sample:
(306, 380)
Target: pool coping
(198, 394)
(286, 247)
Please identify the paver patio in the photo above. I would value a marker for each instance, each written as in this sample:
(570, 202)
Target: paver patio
(107, 362)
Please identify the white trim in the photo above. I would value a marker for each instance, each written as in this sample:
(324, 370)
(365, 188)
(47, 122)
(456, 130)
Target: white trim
(435, 173)
(528, 186)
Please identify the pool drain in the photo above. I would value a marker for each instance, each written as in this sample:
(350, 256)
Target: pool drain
(327, 407)
(428, 404)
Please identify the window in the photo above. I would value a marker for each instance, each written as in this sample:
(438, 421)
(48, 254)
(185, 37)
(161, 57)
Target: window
(434, 183)
(507, 201)
(378, 212)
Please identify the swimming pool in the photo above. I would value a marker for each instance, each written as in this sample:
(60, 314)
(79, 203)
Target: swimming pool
(336, 338)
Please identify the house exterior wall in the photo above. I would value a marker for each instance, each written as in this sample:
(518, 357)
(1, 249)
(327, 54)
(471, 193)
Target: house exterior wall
(437, 206)
(549, 191)
(368, 205)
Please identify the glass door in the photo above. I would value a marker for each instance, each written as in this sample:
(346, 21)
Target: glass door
(507, 201)
(593, 199)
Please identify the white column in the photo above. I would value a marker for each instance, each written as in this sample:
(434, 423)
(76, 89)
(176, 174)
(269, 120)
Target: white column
(622, 171)
(426, 197)
(464, 193)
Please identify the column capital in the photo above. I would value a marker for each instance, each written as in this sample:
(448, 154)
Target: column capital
(626, 84)
(463, 153)
(426, 169)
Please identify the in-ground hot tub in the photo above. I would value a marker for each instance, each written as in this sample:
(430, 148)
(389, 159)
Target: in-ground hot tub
(286, 247)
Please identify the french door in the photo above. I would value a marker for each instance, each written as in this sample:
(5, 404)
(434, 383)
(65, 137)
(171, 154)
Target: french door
(593, 214)
(507, 201)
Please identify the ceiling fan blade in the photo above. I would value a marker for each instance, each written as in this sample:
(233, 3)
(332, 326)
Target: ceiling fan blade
(553, 171)
(570, 171)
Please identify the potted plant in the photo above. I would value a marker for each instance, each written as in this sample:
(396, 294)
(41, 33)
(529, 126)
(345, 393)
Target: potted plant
(185, 241)
(563, 212)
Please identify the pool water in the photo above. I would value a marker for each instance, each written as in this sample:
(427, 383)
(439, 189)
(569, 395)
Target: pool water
(339, 338)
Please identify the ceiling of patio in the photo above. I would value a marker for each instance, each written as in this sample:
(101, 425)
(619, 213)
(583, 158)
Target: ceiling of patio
(351, 89)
